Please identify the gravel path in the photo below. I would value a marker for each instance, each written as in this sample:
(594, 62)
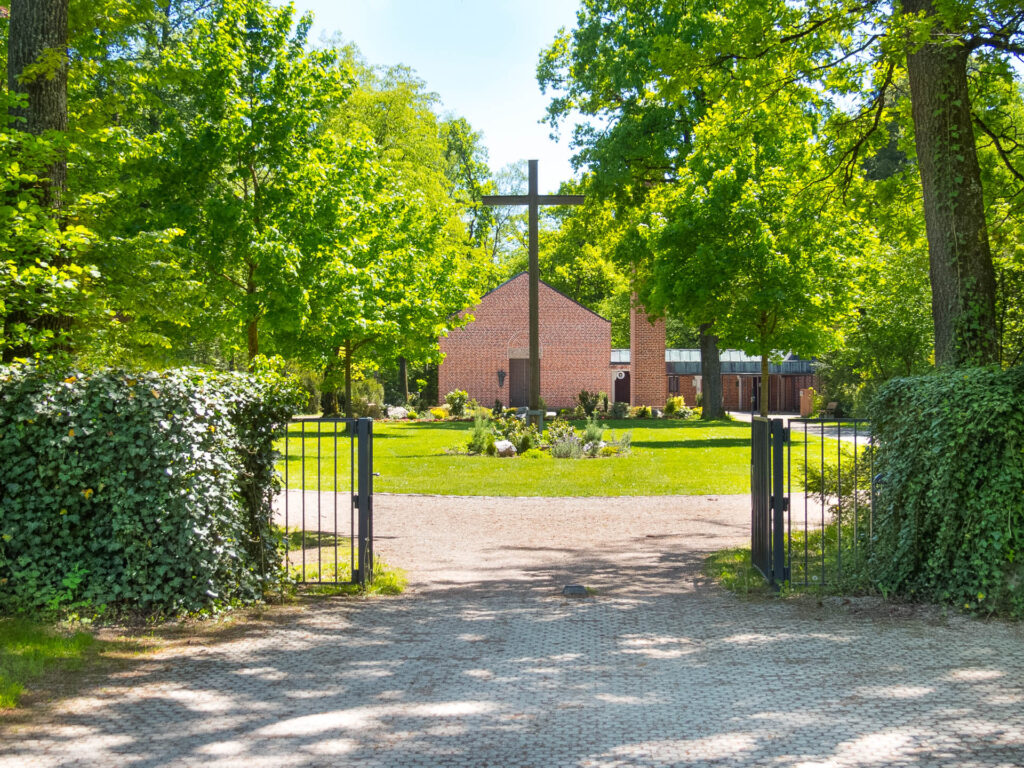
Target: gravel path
(483, 663)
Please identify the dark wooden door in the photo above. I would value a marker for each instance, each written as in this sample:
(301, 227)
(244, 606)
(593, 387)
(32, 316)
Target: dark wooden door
(622, 387)
(518, 382)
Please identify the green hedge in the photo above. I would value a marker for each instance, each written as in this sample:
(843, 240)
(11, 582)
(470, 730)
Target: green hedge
(949, 510)
(137, 492)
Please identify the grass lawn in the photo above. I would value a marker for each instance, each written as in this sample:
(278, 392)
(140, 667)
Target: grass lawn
(668, 457)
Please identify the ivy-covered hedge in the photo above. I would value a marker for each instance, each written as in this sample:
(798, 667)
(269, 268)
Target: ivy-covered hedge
(138, 492)
(949, 508)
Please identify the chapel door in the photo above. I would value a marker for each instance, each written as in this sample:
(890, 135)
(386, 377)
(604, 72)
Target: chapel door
(518, 382)
(621, 393)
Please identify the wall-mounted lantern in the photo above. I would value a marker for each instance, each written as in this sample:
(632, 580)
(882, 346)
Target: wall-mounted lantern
(501, 379)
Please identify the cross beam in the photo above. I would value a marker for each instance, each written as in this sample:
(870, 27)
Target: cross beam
(534, 201)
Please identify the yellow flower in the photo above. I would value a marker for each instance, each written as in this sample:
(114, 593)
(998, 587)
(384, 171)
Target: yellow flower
(87, 492)
(71, 433)
(63, 511)
(70, 379)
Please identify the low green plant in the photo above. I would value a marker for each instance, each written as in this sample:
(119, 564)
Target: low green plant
(533, 453)
(619, 410)
(625, 442)
(412, 414)
(676, 408)
(477, 442)
(588, 401)
(522, 435)
(593, 434)
(439, 413)
(640, 412)
(457, 400)
(563, 440)
(28, 649)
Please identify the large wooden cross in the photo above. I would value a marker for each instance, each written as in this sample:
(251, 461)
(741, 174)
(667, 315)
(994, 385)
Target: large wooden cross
(534, 201)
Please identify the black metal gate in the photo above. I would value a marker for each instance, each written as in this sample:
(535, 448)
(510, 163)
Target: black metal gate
(768, 499)
(328, 500)
(834, 469)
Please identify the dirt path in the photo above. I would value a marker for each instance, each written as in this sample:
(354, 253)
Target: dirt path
(483, 663)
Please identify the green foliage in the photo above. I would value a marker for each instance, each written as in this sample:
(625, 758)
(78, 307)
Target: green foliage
(143, 492)
(522, 435)
(618, 410)
(457, 400)
(478, 438)
(439, 413)
(564, 442)
(640, 412)
(589, 402)
(949, 523)
(593, 431)
(676, 408)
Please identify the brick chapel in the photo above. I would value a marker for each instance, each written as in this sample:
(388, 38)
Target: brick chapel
(490, 357)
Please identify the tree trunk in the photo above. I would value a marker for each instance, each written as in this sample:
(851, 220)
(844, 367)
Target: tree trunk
(37, 30)
(710, 374)
(962, 274)
(349, 411)
(252, 329)
(766, 372)
(403, 375)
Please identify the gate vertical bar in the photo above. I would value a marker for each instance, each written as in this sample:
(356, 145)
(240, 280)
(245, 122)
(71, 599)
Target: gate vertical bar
(365, 500)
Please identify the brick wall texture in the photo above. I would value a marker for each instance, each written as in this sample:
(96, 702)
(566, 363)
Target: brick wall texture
(648, 380)
(575, 347)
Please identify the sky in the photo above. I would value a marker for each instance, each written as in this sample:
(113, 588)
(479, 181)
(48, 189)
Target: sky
(480, 58)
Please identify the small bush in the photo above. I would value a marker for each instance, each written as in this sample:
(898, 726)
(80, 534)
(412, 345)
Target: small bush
(676, 408)
(522, 435)
(533, 453)
(478, 436)
(439, 413)
(588, 401)
(563, 440)
(640, 412)
(949, 522)
(619, 410)
(367, 397)
(457, 400)
(141, 492)
(593, 431)
(625, 442)
(498, 408)
(412, 414)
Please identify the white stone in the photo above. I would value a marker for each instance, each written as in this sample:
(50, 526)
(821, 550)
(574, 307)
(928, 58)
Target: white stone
(504, 448)
(398, 412)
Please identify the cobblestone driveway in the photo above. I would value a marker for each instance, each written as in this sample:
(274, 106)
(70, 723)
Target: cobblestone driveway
(483, 663)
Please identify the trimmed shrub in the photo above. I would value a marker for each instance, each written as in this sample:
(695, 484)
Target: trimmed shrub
(139, 492)
(619, 410)
(640, 412)
(949, 522)
(439, 413)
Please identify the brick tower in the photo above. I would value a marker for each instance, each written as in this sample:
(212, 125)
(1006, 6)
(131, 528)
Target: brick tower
(648, 380)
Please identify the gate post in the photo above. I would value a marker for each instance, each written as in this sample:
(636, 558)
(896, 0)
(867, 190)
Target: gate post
(364, 500)
(779, 502)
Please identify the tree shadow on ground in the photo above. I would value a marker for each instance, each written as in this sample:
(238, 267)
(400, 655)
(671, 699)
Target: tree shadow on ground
(659, 668)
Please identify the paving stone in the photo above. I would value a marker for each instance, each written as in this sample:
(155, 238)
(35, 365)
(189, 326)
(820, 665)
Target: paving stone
(483, 663)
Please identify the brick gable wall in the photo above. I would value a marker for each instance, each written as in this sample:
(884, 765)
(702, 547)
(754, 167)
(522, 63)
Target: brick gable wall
(648, 380)
(575, 346)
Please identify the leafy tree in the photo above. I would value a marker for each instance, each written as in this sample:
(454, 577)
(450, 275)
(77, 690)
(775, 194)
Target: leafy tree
(740, 238)
(650, 69)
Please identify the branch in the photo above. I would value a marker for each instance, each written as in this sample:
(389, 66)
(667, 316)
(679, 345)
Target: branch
(1004, 155)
